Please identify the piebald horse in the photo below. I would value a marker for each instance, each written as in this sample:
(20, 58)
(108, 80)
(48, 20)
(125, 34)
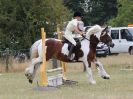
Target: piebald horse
(87, 54)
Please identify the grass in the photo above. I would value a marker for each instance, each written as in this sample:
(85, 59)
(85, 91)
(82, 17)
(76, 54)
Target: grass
(15, 85)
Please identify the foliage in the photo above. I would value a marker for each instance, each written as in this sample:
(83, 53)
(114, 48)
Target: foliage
(125, 14)
(21, 20)
(94, 11)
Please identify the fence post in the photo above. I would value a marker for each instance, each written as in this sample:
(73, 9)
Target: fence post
(44, 80)
(63, 64)
(7, 59)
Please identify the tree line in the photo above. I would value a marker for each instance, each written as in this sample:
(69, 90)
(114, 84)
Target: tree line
(21, 20)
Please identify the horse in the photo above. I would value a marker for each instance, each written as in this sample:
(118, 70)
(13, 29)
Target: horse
(59, 50)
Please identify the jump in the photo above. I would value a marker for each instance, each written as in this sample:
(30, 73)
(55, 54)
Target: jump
(85, 53)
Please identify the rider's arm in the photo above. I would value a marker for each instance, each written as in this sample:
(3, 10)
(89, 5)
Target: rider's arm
(78, 31)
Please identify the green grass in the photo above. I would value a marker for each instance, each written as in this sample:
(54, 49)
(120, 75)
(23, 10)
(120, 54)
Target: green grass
(120, 86)
(16, 86)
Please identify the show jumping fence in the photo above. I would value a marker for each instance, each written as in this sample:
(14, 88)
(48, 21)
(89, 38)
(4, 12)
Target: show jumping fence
(45, 80)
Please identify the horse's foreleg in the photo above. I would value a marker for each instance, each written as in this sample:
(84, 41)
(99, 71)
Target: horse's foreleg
(89, 72)
(101, 70)
(31, 70)
(33, 65)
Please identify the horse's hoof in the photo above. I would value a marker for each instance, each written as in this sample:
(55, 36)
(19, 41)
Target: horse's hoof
(93, 82)
(26, 75)
(30, 81)
(105, 77)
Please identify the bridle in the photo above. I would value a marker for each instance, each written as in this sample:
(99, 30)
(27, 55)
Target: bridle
(84, 37)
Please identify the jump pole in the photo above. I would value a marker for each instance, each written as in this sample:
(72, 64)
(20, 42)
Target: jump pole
(43, 75)
(43, 85)
(64, 69)
(63, 64)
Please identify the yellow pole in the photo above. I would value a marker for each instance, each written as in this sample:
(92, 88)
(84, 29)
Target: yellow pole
(64, 68)
(63, 64)
(44, 80)
(58, 32)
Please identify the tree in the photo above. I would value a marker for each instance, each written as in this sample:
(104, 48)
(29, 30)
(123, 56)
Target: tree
(14, 24)
(103, 10)
(21, 20)
(125, 14)
(94, 11)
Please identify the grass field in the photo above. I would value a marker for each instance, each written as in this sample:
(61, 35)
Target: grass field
(14, 85)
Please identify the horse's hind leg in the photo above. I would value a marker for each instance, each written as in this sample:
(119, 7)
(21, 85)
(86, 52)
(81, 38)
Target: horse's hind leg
(101, 70)
(89, 71)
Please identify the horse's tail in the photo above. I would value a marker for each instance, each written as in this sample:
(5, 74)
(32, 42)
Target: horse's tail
(34, 49)
(93, 30)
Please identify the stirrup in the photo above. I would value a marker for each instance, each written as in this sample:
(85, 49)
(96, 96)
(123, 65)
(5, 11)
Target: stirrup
(69, 57)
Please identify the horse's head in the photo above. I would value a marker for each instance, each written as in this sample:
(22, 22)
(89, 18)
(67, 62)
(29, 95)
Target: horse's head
(106, 38)
(96, 34)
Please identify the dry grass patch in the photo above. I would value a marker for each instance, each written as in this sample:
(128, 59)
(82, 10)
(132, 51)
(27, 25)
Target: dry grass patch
(121, 60)
(13, 66)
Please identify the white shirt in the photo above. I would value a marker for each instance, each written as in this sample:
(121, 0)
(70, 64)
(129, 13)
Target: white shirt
(70, 29)
(81, 28)
(72, 25)
(81, 25)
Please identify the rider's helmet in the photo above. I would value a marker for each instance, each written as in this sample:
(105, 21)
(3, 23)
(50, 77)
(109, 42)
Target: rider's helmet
(77, 14)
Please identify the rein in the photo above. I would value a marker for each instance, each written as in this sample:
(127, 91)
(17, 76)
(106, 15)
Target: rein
(87, 39)
(84, 38)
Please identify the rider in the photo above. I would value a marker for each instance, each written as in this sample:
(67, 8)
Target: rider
(71, 27)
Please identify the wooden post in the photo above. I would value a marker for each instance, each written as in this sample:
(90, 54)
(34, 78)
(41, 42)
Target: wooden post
(58, 32)
(44, 80)
(63, 64)
(7, 59)
(64, 69)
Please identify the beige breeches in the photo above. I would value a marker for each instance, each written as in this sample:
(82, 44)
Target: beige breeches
(68, 35)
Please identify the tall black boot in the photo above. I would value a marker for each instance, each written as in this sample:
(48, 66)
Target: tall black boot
(70, 52)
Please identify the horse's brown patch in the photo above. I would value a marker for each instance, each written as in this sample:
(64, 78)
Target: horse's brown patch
(54, 48)
(78, 54)
(93, 44)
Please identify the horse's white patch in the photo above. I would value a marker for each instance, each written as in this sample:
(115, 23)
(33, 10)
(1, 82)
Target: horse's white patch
(103, 34)
(40, 49)
(65, 50)
(98, 34)
(85, 48)
(57, 39)
(72, 56)
(101, 70)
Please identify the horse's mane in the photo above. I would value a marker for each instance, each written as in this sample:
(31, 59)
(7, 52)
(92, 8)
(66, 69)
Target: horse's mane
(96, 29)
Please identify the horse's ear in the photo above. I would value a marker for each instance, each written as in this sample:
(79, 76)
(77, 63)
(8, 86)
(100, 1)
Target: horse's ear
(105, 29)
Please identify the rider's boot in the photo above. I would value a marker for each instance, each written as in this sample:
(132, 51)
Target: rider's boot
(70, 52)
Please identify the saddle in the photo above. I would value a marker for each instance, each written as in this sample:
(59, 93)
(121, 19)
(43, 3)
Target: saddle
(76, 50)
